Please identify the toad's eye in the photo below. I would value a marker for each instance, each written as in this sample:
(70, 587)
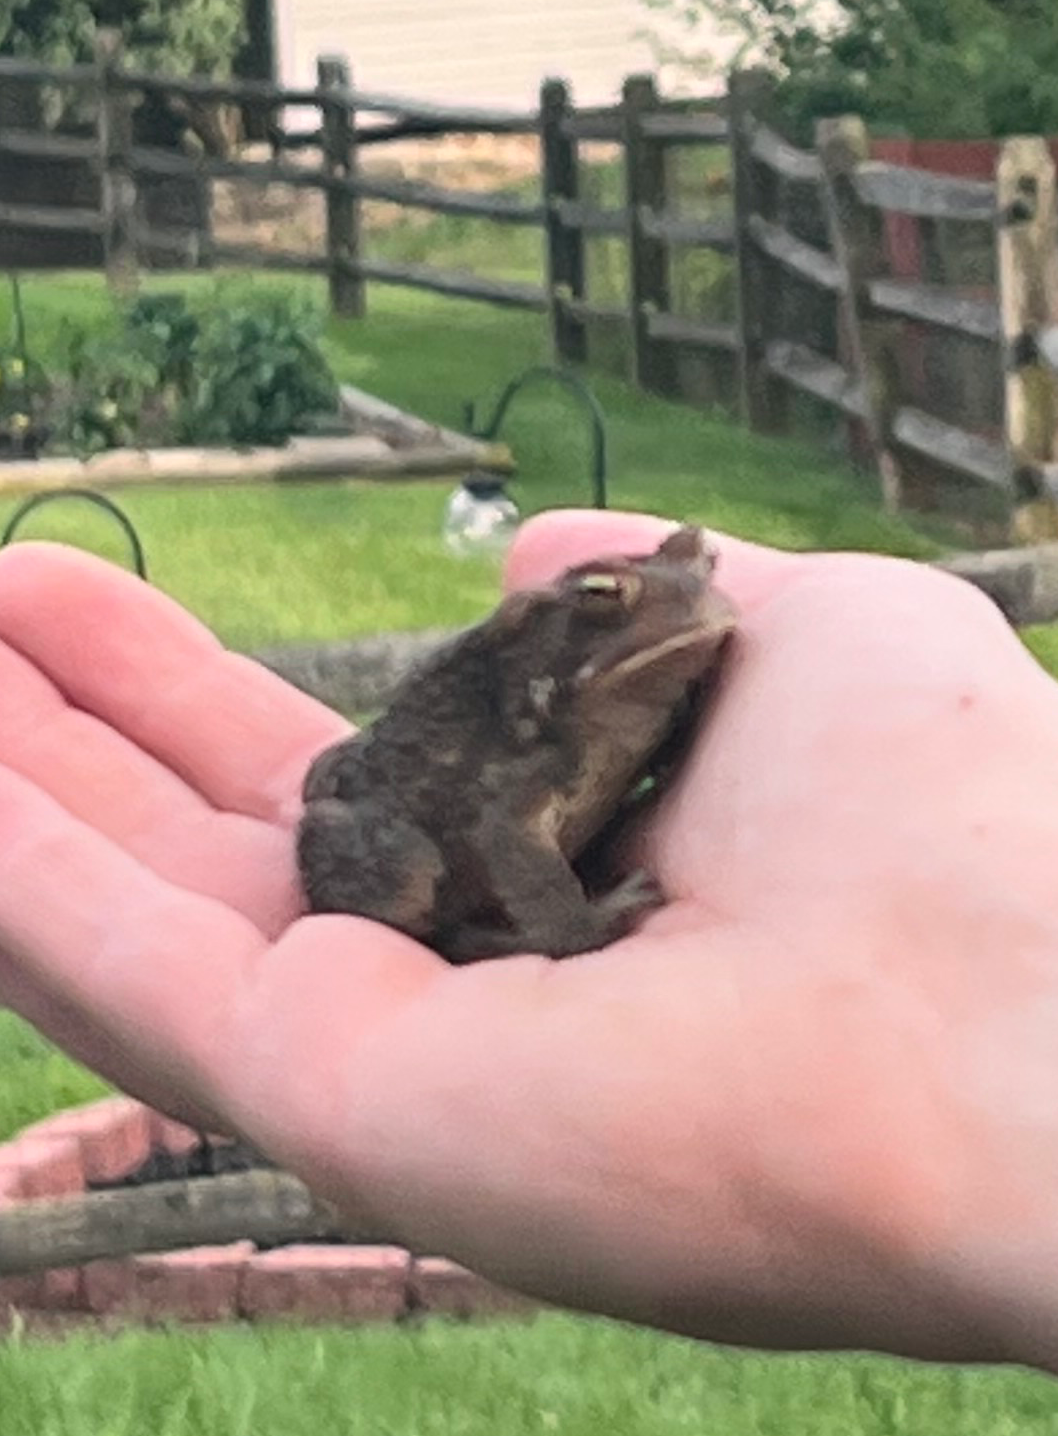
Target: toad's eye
(601, 583)
(605, 586)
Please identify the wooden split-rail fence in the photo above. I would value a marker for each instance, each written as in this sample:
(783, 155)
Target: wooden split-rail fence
(938, 373)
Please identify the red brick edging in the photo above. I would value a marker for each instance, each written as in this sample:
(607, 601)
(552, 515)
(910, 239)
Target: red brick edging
(107, 1140)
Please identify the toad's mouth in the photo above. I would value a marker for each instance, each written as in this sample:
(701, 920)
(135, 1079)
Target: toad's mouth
(685, 653)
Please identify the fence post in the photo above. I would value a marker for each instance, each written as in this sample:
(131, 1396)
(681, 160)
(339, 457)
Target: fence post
(117, 187)
(1027, 276)
(764, 402)
(338, 127)
(565, 244)
(857, 240)
(648, 259)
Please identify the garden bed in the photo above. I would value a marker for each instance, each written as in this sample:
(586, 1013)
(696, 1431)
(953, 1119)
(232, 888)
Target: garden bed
(232, 384)
(116, 1141)
(385, 442)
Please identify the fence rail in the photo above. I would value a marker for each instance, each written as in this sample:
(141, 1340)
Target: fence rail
(807, 242)
(919, 192)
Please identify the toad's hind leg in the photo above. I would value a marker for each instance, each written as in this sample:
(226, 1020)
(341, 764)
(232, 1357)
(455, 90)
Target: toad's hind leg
(543, 900)
(365, 859)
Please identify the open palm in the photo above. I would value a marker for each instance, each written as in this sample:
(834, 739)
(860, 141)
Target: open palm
(811, 1102)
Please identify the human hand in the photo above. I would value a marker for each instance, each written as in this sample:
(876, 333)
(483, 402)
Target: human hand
(811, 1103)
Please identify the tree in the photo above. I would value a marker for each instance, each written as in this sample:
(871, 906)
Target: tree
(176, 37)
(168, 37)
(957, 68)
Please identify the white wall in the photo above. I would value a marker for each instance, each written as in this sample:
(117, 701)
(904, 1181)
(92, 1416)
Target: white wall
(473, 52)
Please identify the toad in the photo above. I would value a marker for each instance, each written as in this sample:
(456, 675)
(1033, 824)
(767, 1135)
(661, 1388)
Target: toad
(461, 814)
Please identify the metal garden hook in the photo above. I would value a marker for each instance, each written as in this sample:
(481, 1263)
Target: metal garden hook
(36, 501)
(580, 391)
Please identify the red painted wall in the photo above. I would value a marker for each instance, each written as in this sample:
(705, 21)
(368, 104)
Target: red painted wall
(964, 159)
(968, 159)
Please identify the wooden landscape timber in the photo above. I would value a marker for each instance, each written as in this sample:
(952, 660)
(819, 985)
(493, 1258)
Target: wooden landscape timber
(939, 385)
(358, 676)
(404, 430)
(1022, 582)
(263, 1206)
(359, 456)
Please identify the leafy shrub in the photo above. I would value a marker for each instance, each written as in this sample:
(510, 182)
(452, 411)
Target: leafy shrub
(236, 368)
(258, 376)
(112, 397)
(164, 327)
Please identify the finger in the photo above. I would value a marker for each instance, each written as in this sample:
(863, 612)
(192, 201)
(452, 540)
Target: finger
(123, 651)
(550, 543)
(164, 978)
(81, 919)
(104, 779)
(82, 1039)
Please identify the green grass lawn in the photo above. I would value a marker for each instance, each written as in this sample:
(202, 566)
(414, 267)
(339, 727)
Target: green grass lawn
(318, 561)
(554, 1375)
(283, 562)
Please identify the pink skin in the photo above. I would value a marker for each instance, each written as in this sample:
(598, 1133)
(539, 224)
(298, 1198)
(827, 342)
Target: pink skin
(814, 1102)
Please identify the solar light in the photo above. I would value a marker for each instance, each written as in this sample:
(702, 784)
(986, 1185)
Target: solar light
(480, 516)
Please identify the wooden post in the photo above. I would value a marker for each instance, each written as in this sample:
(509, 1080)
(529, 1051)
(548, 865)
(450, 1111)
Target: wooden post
(1027, 275)
(565, 244)
(764, 402)
(117, 187)
(857, 240)
(648, 258)
(338, 125)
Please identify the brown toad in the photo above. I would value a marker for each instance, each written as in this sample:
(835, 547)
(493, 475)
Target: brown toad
(459, 814)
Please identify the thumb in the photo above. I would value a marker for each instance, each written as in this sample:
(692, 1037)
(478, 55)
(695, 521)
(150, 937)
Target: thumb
(549, 543)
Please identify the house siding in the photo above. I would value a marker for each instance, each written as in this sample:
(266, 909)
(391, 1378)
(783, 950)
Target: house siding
(472, 52)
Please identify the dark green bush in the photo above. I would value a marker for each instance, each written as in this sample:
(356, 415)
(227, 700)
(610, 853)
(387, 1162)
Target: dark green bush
(258, 374)
(241, 366)
(166, 330)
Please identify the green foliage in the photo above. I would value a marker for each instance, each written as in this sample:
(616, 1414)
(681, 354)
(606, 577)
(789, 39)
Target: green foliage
(37, 1079)
(964, 68)
(259, 373)
(171, 36)
(559, 1374)
(165, 327)
(24, 394)
(111, 396)
(244, 366)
